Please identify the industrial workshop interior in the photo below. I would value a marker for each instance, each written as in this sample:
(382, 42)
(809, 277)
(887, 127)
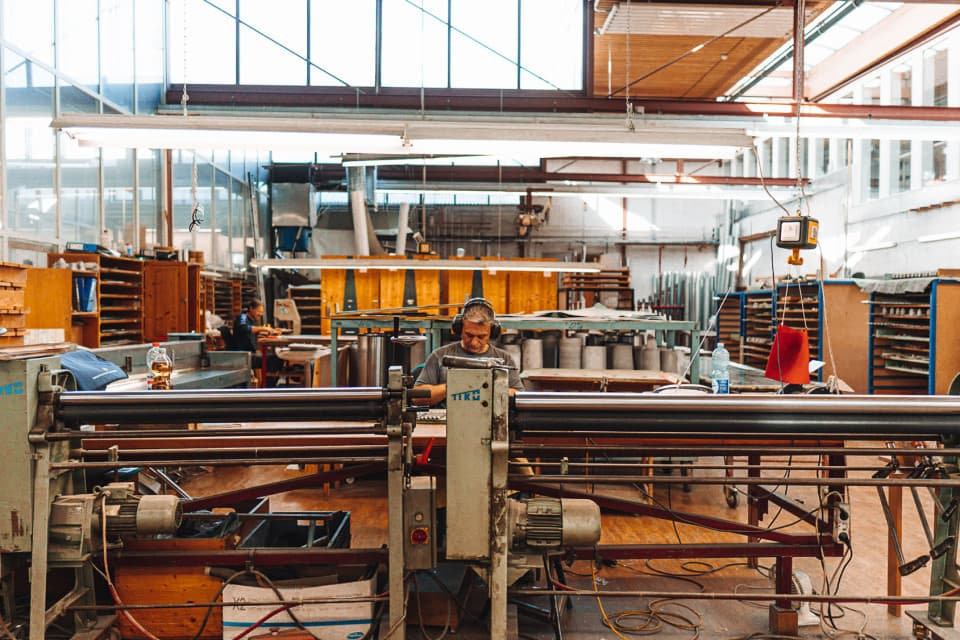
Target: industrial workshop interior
(509, 319)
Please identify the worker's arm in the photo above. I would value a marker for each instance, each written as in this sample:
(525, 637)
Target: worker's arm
(438, 393)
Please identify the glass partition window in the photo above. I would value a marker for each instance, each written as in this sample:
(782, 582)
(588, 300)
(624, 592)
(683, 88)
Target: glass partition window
(873, 155)
(79, 176)
(116, 44)
(902, 85)
(414, 50)
(934, 161)
(77, 37)
(904, 161)
(497, 44)
(343, 45)
(29, 26)
(118, 210)
(30, 148)
(935, 76)
(273, 42)
(202, 41)
(149, 163)
(550, 49)
(483, 44)
(148, 42)
(220, 221)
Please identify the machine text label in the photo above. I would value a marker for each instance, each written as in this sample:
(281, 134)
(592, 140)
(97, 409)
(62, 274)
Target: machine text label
(12, 389)
(469, 394)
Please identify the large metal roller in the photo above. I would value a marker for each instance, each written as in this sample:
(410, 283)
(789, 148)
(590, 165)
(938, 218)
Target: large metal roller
(249, 405)
(820, 415)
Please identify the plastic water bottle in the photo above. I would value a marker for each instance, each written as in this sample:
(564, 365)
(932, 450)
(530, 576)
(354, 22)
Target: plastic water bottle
(720, 376)
(159, 368)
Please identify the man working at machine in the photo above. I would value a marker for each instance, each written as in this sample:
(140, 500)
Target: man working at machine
(475, 325)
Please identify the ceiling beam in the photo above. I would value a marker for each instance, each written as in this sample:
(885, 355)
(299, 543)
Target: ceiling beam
(519, 102)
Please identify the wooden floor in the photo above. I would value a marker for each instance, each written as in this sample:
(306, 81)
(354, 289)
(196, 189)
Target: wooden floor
(866, 574)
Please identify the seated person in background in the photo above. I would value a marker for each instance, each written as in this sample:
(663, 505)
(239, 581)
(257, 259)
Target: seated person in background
(475, 326)
(246, 329)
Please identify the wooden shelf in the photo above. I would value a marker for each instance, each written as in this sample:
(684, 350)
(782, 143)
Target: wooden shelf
(118, 279)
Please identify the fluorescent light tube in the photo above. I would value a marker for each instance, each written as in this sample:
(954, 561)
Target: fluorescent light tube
(936, 237)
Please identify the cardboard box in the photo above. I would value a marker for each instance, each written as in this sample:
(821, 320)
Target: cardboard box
(327, 621)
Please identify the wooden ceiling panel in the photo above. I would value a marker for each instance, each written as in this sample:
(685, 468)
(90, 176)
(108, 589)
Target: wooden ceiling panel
(666, 66)
(705, 74)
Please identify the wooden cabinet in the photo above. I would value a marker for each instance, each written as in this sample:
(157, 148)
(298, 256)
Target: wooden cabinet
(914, 340)
(166, 299)
(48, 297)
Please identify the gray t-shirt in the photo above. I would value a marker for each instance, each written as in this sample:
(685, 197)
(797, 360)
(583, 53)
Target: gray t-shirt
(433, 373)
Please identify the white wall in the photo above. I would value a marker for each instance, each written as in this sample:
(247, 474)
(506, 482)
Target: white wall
(845, 228)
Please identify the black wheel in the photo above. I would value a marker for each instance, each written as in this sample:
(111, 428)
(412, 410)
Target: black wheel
(730, 494)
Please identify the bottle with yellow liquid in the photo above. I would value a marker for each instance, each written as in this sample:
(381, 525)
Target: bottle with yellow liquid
(159, 369)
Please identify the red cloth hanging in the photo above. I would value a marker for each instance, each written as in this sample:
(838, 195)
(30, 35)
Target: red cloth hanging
(789, 359)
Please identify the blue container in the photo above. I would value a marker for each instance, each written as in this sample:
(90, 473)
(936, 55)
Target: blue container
(295, 239)
(84, 294)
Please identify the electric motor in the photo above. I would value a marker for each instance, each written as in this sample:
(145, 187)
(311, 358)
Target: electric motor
(550, 523)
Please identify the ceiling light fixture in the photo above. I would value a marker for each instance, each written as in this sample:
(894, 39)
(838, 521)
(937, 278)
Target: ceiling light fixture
(936, 237)
(872, 247)
(397, 263)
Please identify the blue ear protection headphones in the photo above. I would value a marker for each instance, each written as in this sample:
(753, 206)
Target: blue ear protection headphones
(457, 325)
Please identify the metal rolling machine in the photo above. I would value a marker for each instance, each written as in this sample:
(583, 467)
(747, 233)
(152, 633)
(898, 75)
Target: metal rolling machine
(50, 519)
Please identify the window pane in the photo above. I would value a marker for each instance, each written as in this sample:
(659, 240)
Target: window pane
(483, 26)
(934, 161)
(29, 252)
(935, 77)
(116, 42)
(414, 51)
(263, 61)
(873, 155)
(79, 178)
(29, 25)
(148, 164)
(551, 44)
(902, 85)
(903, 165)
(348, 53)
(149, 47)
(221, 203)
(209, 53)
(29, 145)
(824, 159)
(76, 41)
(118, 197)
(871, 91)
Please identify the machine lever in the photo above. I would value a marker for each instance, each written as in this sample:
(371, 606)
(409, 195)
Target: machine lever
(936, 550)
(905, 568)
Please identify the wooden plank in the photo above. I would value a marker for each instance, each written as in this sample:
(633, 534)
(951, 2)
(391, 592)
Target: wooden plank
(428, 285)
(166, 585)
(846, 328)
(459, 285)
